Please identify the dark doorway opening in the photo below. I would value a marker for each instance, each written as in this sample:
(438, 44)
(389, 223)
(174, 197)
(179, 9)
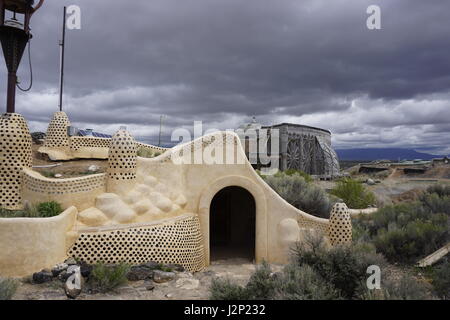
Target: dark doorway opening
(232, 224)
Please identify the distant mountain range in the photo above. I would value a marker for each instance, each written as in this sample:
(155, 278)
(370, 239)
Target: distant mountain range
(370, 154)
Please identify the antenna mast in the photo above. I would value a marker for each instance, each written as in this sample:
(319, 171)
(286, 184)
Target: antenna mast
(62, 44)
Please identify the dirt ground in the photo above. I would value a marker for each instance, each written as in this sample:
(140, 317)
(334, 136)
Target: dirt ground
(67, 169)
(186, 286)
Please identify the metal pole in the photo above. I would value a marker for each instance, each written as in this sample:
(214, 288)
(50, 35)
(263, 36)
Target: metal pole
(11, 94)
(2, 12)
(160, 130)
(62, 44)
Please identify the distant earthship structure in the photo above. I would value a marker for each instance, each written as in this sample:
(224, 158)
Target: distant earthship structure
(302, 148)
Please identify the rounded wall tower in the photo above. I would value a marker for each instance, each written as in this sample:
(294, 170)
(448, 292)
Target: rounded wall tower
(15, 155)
(122, 163)
(57, 136)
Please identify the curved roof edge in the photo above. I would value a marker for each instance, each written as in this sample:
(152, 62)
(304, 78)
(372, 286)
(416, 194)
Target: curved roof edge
(297, 125)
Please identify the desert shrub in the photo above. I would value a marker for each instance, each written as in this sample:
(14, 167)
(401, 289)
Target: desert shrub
(436, 203)
(442, 190)
(417, 239)
(262, 284)
(404, 232)
(353, 194)
(224, 289)
(344, 267)
(7, 288)
(301, 194)
(105, 278)
(441, 280)
(49, 209)
(303, 283)
(294, 283)
(304, 175)
(407, 288)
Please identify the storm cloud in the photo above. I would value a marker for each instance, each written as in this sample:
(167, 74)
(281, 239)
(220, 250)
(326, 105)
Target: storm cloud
(312, 62)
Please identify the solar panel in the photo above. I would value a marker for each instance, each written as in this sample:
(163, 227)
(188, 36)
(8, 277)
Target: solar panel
(85, 133)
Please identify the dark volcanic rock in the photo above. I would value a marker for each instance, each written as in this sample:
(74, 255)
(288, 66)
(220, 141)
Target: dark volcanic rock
(85, 269)
(151, 265)
(137, 273)
(175, 267)
(42, 276)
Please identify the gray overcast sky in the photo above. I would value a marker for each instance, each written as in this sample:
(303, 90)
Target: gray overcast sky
(312, 62)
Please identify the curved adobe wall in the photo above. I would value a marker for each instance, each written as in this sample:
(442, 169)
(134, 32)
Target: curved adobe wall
(80, 192)
(15, 155)
(29, 245)
(176, 240)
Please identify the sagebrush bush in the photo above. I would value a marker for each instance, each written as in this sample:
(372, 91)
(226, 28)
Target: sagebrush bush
(7, 288)
(303, 283)
(304, 175)
(317, 272)
(301, 194)
(436, 203)
(417, 239)
(405, 232)
(441, 280)
(354, 194)
(407, 288)
(442, 190)
(105, 278)
(344, 267)
(225, 289)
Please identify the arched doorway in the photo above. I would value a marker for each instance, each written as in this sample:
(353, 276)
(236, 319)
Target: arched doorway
(232, 224)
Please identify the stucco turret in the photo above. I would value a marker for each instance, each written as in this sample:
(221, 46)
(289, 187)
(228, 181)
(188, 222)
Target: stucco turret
(122, 163)
(57, 136)
(340, 229)
(15, 155)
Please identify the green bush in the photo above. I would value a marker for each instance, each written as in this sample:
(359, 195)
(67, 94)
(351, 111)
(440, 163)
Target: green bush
(7, 288)
(42, 210)
(105, 278)
(353, 194)
(49, 209)
(441, 280)
(301, 194)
